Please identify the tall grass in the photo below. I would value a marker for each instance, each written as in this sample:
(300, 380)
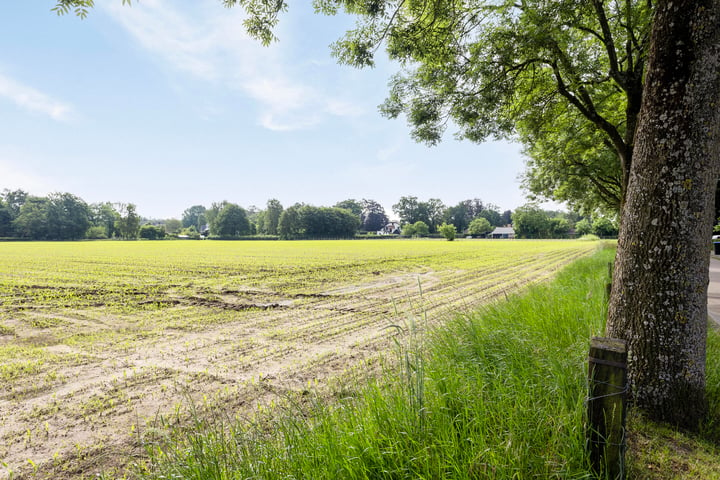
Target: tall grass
(494, 394)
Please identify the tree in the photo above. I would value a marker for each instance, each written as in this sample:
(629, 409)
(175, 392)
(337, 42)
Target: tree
(32, 219)
(352, 205)
(325, 222)
(463, 213)
(151, 232)
(68, 217)
(173, 225)
(479, 226)
(194, 216)
(273, 210)
(231, 221)
(585, 173)
(435, 209)
(6, 228)
(520, 66)
(501, 67)
(421, 229)
(658, 301)
(14, 200)
(59, 216)
(604, 227)
(559, 227)
(128, 223)
(373, 217)
(496, 219)
(104, 215)
(409, 210)
(289, 225)
(529, 221)
(190, 233)
(211, 215)
(583, 227)
(408, 230)
(505, 218)
(447, 231)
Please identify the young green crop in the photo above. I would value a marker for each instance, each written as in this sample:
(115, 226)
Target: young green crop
(102, 336)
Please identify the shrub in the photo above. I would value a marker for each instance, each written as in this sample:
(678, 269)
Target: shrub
(447, 231)
(96, 233)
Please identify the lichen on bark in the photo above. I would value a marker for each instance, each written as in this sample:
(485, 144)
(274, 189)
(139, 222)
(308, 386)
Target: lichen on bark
(659, 298)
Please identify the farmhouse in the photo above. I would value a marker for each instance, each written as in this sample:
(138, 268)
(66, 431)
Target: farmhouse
(392, 228)
(502, 232)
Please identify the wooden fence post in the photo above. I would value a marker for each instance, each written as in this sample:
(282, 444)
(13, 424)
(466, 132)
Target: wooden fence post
(606, 406)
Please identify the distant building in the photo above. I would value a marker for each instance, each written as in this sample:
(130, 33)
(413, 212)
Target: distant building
(392, 228)
(502, 232)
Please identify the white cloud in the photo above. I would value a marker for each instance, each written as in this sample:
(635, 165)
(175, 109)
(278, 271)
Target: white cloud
(33, 100)
(210, 43)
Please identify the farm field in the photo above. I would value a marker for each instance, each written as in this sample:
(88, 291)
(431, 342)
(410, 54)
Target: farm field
(99, 338)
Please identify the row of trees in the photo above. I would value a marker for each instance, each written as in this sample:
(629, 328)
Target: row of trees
(530, 221)
(64, 216)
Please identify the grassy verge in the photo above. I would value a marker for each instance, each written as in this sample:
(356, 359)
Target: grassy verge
(660, 452)
(495, 394)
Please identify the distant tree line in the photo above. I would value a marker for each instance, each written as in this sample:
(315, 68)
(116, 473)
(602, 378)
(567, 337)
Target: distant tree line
(530, 221)
(63, 216)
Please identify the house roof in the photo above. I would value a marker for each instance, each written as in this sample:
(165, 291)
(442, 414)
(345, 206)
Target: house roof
(503, 231)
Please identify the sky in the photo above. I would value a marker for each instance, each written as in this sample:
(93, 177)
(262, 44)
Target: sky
(168, 104)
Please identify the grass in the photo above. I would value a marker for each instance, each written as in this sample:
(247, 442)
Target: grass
(497, 394)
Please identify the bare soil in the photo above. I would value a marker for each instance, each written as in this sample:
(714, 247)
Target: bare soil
(78, 408)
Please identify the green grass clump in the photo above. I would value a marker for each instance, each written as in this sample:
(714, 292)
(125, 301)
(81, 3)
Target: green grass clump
(496, 394)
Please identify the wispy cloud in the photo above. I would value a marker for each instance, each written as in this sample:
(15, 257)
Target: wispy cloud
(210, 43)
(33, 100)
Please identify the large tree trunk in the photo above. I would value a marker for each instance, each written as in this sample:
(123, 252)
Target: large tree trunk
(659, 296)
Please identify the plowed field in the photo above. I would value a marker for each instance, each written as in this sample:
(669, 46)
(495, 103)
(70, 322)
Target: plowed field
(99, 338)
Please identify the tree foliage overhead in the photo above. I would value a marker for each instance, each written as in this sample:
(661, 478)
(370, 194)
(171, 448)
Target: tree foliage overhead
(533, 69)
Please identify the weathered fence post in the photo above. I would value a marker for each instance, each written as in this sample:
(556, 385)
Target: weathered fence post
(606, 406)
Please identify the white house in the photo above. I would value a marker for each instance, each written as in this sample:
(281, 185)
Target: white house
(392, 228)
(502, 232)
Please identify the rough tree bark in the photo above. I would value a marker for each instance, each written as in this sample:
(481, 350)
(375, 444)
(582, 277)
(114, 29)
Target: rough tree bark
(658, 301)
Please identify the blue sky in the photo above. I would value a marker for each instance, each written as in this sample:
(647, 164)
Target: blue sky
(168, 104)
